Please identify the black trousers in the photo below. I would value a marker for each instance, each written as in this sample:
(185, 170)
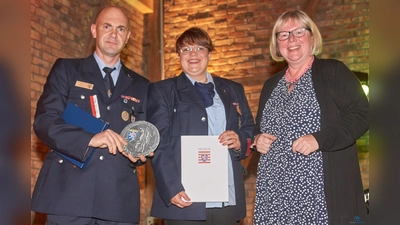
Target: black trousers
(71, 220)
(215, 216)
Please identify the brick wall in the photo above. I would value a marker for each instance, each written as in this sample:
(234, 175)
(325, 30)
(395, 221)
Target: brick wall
(61, 28)
(57, 30)
(240, 30)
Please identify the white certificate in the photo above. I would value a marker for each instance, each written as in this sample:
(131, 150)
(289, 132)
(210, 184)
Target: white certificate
(204, 168)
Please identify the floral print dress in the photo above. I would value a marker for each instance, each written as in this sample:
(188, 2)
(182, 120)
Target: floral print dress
(290, 186)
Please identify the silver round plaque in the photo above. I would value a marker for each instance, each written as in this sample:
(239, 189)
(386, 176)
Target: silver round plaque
(142, 138)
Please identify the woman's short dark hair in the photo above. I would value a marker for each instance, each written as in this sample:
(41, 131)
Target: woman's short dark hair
(194, 36)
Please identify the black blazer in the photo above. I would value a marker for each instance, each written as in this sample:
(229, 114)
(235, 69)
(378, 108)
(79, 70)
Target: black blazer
(176, 109)
(344, 119)
(108, 187)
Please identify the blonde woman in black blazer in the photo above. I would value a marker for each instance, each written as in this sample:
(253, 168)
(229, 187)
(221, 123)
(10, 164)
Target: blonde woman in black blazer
(309, 118)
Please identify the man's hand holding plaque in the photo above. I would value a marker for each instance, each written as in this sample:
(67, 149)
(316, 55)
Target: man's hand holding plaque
(142, 138)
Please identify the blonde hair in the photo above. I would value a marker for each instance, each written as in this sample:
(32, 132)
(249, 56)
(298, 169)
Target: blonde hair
(299, 16)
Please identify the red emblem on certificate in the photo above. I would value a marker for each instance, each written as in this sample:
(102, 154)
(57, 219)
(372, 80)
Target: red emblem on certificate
(204, 156)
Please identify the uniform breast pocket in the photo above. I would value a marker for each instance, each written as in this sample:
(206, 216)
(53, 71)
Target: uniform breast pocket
(133, 109)
(80, 97)
(180, 119)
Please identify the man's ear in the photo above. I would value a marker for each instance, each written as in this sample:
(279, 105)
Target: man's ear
(127, 37)
(93, 30)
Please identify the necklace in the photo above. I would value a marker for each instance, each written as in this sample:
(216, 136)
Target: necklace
(290, 82)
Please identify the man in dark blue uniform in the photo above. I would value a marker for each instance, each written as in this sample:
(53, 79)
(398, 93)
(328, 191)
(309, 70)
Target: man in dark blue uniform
(106, 191)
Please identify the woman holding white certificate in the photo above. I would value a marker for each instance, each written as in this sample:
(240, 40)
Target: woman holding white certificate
(197, 103)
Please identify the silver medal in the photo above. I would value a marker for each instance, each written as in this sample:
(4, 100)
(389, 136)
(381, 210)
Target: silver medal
(142, 137)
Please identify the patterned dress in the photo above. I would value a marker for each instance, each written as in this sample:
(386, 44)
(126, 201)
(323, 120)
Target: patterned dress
(290, 186)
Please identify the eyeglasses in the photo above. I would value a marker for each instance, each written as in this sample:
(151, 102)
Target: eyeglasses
(189, 49)
(299, 32)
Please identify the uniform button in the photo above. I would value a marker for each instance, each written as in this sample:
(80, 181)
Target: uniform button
(174, 110)
(60, 161)
(108, 107)
(101, 157)
(134, 170)
(203, 119)
(82, 97)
